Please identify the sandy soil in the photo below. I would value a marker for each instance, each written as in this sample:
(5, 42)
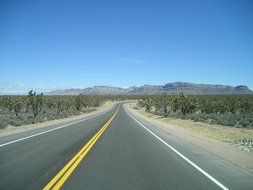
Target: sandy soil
(208, 137)
(14, 130)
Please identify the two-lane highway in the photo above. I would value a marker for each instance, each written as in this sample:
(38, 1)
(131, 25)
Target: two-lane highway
(115, 150)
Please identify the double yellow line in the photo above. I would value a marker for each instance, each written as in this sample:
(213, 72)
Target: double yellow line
(68, 169)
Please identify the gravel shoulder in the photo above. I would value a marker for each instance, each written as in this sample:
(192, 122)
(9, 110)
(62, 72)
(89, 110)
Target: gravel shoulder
(10, 130)
(212, 138)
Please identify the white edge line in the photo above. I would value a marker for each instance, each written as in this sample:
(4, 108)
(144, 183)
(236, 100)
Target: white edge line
(181, 155)
(60, 127)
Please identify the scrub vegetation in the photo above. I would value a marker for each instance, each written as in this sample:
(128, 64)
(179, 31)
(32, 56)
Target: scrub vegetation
(228, 110)
(35, 108)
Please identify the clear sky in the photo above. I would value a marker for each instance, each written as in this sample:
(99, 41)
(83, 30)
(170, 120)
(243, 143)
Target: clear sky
(47, 44)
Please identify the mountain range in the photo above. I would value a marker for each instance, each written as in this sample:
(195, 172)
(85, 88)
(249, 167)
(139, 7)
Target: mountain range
(169, 88)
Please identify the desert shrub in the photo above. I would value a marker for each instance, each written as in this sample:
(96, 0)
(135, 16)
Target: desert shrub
(3, 123)
(80, 102)
(228, 119)
(230, 110)
(34, 108)
(16, 122)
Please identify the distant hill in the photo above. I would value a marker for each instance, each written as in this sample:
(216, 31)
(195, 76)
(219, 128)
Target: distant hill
(169, 88)
(96, 90)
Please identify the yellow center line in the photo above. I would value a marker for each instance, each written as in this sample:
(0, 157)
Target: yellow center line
(68, 169)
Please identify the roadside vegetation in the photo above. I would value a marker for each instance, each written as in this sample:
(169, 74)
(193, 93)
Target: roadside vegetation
(36, 108)
(227, 110)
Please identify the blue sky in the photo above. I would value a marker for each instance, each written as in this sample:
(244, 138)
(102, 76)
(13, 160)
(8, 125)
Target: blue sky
(46, 44)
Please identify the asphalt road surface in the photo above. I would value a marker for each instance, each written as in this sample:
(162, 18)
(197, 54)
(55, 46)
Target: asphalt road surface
(112, 150)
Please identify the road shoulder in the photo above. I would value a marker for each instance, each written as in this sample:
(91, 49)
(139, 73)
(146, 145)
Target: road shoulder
(223, 150)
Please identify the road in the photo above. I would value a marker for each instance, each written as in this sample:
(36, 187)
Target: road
(112, 150)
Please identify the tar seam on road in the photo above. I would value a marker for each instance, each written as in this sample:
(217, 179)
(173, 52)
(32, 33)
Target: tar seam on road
(181, 155)
(68, 169)
(60, 127)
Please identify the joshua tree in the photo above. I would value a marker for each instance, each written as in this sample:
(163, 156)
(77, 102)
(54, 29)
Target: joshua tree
(36, 102)
(17, 106)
